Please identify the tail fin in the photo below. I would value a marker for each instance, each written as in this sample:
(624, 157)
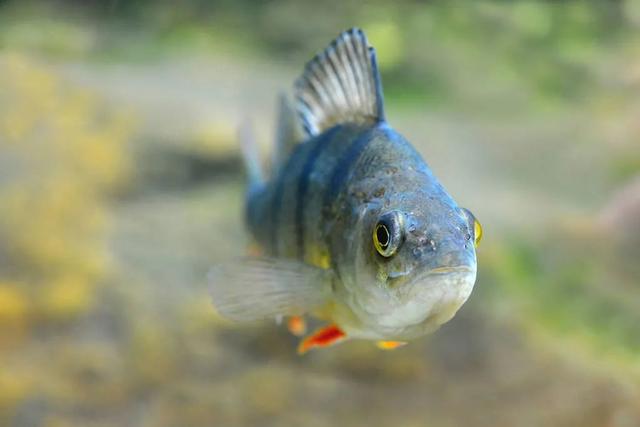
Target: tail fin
(251, 156)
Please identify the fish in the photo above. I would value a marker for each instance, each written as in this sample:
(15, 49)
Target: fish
(352, 226)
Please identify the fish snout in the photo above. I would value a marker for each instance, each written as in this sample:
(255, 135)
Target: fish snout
(455, 259)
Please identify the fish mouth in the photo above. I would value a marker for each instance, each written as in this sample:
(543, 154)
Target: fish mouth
(445, 270)
(429, 277)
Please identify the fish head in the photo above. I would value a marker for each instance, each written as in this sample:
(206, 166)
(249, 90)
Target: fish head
(416, 264)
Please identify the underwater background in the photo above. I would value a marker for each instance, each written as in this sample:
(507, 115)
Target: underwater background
(121, 185)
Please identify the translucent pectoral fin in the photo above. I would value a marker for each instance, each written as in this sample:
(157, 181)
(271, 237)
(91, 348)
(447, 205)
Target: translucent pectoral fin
(257, 288)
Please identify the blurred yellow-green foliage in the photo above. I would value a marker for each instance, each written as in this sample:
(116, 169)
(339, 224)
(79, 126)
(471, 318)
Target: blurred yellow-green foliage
(120, 186)
(63, 155)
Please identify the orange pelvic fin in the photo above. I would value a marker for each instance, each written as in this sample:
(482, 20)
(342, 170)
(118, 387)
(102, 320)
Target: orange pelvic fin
(297, 325)
(254, 250)
(389, 345)
(323, 337)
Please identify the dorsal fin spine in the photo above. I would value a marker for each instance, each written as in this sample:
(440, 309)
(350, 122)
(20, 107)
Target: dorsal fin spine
(339, 85)
(355, 70)
(362, 87)
(378, 84)
(333, 77)
(333, 59)
(326, 80)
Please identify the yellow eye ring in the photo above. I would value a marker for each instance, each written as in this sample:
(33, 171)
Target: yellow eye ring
(477, 228)
(477, 232)
(388, 233)
(381, 239)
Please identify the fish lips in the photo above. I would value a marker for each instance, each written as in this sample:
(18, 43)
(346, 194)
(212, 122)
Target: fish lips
(423, 303)
(434, 277)
(436, 295)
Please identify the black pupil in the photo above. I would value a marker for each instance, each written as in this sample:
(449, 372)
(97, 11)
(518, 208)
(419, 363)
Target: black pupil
(382, 234)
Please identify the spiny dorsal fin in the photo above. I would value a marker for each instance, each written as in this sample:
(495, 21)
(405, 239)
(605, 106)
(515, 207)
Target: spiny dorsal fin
(341, 84)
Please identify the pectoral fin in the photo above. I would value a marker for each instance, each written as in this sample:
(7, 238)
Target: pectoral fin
(257, 288)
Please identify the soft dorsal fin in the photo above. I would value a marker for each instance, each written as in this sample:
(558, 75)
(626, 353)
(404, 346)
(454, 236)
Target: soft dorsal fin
(341, 84)
(288, 133)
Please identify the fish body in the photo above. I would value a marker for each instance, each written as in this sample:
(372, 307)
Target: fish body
(354, 226)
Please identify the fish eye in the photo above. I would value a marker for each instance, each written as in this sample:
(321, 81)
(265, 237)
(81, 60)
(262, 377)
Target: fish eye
(382, 236)
(477, 232)
(387, 234)
(475, 225)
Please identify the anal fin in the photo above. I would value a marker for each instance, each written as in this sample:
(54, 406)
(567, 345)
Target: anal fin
(389, 345)
(323, 337)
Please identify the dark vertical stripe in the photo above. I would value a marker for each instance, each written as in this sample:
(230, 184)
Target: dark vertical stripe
(344, 167)
(275, 213)
(303, 186)
(276, 203)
